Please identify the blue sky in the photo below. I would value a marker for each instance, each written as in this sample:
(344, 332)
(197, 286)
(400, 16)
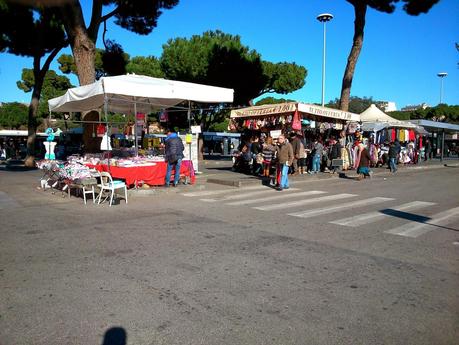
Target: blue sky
(400, 59)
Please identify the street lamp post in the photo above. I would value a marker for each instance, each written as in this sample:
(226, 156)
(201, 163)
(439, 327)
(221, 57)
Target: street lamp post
(441, 75)
(324, 18)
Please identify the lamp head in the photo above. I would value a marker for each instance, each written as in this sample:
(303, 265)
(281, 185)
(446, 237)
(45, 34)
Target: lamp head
(324, 17)
(442, 74)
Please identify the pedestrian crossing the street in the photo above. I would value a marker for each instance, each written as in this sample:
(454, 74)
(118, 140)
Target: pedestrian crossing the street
(295, 202)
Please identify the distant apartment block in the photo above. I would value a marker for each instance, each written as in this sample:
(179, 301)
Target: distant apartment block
(415, 107)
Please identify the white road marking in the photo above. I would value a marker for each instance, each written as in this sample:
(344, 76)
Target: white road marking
(223, 191)
(281, 205)
(347, 205)
(378, 215)
(415, 229)
(278, 196)
(248, 195)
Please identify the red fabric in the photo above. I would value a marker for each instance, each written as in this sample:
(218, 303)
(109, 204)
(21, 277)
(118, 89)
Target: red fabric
(296, 124)
(411, 135)
(152, 175)
(392, 135)
(100, 130)
(420, 142)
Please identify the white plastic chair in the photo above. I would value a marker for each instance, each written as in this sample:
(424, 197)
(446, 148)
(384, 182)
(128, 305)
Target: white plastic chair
(107, 184)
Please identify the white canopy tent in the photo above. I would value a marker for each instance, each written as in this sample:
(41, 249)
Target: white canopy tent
(132, 93)
(374, 119)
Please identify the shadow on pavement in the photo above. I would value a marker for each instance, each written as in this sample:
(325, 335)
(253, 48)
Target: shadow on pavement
(413, 218)
(115, 336)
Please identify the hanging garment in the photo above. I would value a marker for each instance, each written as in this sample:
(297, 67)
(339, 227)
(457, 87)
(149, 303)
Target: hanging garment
(412, 135)
(407, 135)
(296, 125)
(105, 144)
(420, 142)
(356, 151)
(345, 157)
(392, 135)
(100, 130)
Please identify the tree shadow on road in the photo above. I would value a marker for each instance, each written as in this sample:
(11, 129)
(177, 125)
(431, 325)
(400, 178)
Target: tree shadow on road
(413, 218)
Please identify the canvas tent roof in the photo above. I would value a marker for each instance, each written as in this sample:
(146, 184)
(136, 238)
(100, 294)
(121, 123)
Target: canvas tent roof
(147, 93)
(376, 116)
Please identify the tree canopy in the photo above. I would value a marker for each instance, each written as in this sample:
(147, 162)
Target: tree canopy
(272, 100)
(442, 112)
(54, 85)
(106, 63)
(145, 65)
(136, 16)
(13, 115)
(36, 31)
(220, 59)
(356, 104)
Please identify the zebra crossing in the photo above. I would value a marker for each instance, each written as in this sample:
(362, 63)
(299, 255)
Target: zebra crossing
(320, 203)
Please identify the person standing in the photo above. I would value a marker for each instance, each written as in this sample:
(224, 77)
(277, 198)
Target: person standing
(256, 150)
(393, 155)
(317, 155)
(364, 163)
(174, 155)
(284, 152)
(268, 153)
(296, 146)
(335, 153)
(301, 157)
(427, 150)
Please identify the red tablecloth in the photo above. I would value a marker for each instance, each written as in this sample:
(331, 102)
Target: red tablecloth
(154, 175)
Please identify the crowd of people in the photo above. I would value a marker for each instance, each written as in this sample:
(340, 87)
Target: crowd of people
(272, 158)
(13, 149)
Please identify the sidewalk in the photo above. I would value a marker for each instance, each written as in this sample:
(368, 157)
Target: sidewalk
(219, 172)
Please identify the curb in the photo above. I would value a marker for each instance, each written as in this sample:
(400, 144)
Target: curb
(323, 176)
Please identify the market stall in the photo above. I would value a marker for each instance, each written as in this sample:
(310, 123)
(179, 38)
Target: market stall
(309, 120)
(136, 94)
(292, 116)
(443, 137)
(382, 129)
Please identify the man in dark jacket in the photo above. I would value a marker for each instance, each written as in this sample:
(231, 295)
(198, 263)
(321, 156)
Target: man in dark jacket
(393, 157)
(174, 155)
(335, 153)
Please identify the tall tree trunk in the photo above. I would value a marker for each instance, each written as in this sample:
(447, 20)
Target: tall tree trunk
(83, 47)
(39, 74)
(360, 9)
(32, 123)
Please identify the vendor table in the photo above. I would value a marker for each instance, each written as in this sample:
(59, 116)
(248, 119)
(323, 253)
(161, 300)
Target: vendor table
(154, 174)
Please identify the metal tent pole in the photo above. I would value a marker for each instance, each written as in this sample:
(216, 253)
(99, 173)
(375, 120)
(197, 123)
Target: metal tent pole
(108, 130)
(442, 145)
(135, 129)
(189, 131)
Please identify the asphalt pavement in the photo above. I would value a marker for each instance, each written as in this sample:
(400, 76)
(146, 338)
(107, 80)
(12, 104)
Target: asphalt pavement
(329, 261)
